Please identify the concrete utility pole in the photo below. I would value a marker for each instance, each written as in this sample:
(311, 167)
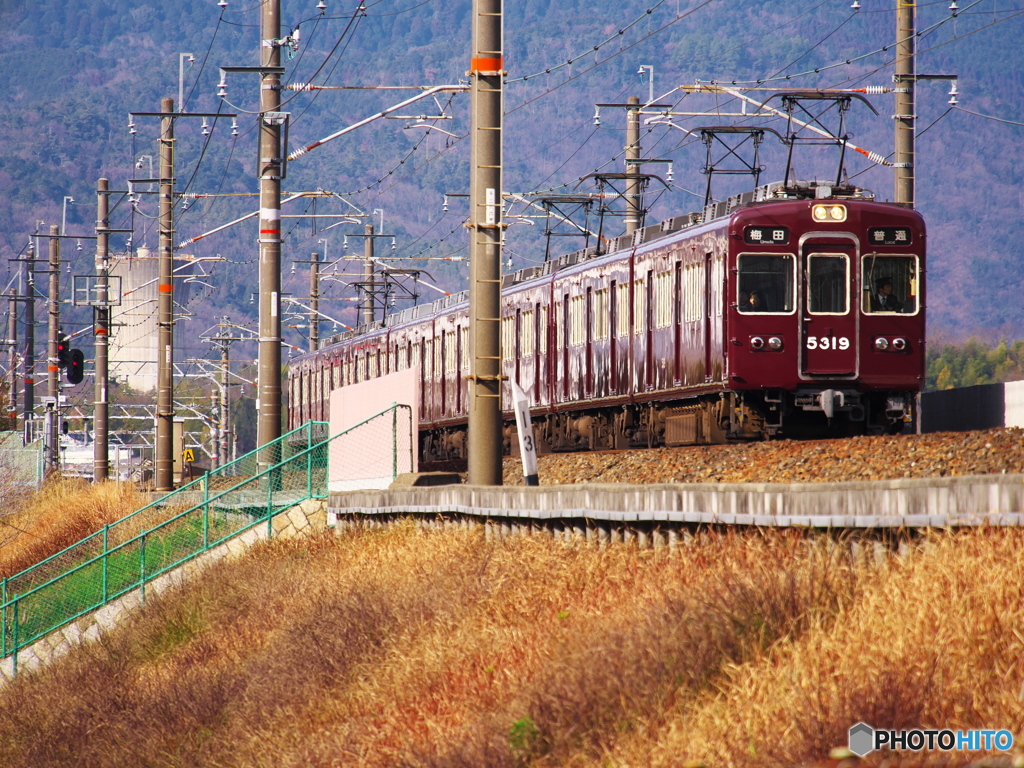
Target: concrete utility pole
(30, 336)
(12, 337)
(486, 71)
(164, 466)
(52, 456)
(368, 275)
(268, 401)
(101, 330)
(225, 403)
(906, 28)
(314, 301)
(633, 213)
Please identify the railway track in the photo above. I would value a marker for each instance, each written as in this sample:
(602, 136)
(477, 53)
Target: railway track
(941, 454)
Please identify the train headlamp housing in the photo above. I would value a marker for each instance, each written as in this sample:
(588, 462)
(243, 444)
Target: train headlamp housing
(881, 344)
(899, 344)
(757, 343)
(831, 212)
(775, 343)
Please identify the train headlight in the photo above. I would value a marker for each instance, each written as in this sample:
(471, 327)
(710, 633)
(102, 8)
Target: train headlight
(881, 344)
(757, 343)
(899, 344)
(775, 343)
(822, 212)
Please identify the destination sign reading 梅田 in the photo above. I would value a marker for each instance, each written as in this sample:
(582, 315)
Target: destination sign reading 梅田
(889, 235)
(766, 235)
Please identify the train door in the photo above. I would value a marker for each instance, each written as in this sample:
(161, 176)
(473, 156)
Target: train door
(706, 315)
(566, 325)
(648, 311)
(829, 327)
(442, 339)
(588, 322)
(677, 323)
(538, 350)
(459, 373)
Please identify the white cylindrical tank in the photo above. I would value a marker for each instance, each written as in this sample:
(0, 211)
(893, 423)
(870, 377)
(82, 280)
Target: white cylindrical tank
(133, 337)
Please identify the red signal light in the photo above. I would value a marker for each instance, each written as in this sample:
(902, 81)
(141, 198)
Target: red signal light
(76, 366)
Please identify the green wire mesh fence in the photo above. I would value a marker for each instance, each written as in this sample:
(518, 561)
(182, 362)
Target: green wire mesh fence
(165, 507)
(126, 555)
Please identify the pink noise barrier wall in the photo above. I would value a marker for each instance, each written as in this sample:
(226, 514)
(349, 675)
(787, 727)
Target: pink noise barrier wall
(365, 457)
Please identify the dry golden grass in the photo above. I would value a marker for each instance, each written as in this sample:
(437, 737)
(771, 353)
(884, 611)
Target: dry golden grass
(61, 514)
(406, 648)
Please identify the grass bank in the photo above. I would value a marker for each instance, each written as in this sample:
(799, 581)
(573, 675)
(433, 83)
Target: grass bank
(405, 648)
(63, 513)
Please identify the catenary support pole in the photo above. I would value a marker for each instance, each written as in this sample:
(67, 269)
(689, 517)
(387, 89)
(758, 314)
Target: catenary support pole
(30, 337)
(633, 213)
(225, 399)
(12, 337)
(101, 330)
(903, 162)
(368, 275)
(165, 356)
(486, 72)
(314, 301)
(52, 456)
(268, 400)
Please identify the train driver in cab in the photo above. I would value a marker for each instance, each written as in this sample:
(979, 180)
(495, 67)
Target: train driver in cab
(754, 301)
(883, 300)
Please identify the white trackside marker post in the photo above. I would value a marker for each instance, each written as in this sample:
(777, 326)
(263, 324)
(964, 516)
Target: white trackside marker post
(524, 428)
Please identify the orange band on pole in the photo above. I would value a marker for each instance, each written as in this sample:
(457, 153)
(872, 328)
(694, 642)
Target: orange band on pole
(487, 64)
(167, 288)
(53, 368)
(101, 331)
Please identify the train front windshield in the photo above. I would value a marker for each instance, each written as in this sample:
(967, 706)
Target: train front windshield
(766, 283)
(890, 284)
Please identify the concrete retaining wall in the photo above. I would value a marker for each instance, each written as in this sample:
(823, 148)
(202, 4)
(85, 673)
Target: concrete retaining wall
(931, 502)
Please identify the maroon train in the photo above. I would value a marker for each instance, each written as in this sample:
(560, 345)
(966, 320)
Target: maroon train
(792, 311)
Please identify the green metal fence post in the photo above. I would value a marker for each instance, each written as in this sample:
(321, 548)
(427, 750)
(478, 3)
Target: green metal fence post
(142, 566)
(206, 510)
(3, 625)
(309, 466)
(14, 661)
(106, 559)
(270, 504)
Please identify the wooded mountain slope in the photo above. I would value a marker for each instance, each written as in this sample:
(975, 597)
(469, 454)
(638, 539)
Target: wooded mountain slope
(76, 70)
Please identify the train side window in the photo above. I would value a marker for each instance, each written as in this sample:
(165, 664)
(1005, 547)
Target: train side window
(890, 284)
(449, 352)
(828, 282)
(527, 334)
(508, 330)
(600, 318)
(663, 299)
(543, 328)
(693, 296)
(622, 310)
(577, 320)
(765, 283)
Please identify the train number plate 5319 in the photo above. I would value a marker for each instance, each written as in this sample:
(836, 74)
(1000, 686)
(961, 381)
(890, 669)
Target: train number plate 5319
(828, 342)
